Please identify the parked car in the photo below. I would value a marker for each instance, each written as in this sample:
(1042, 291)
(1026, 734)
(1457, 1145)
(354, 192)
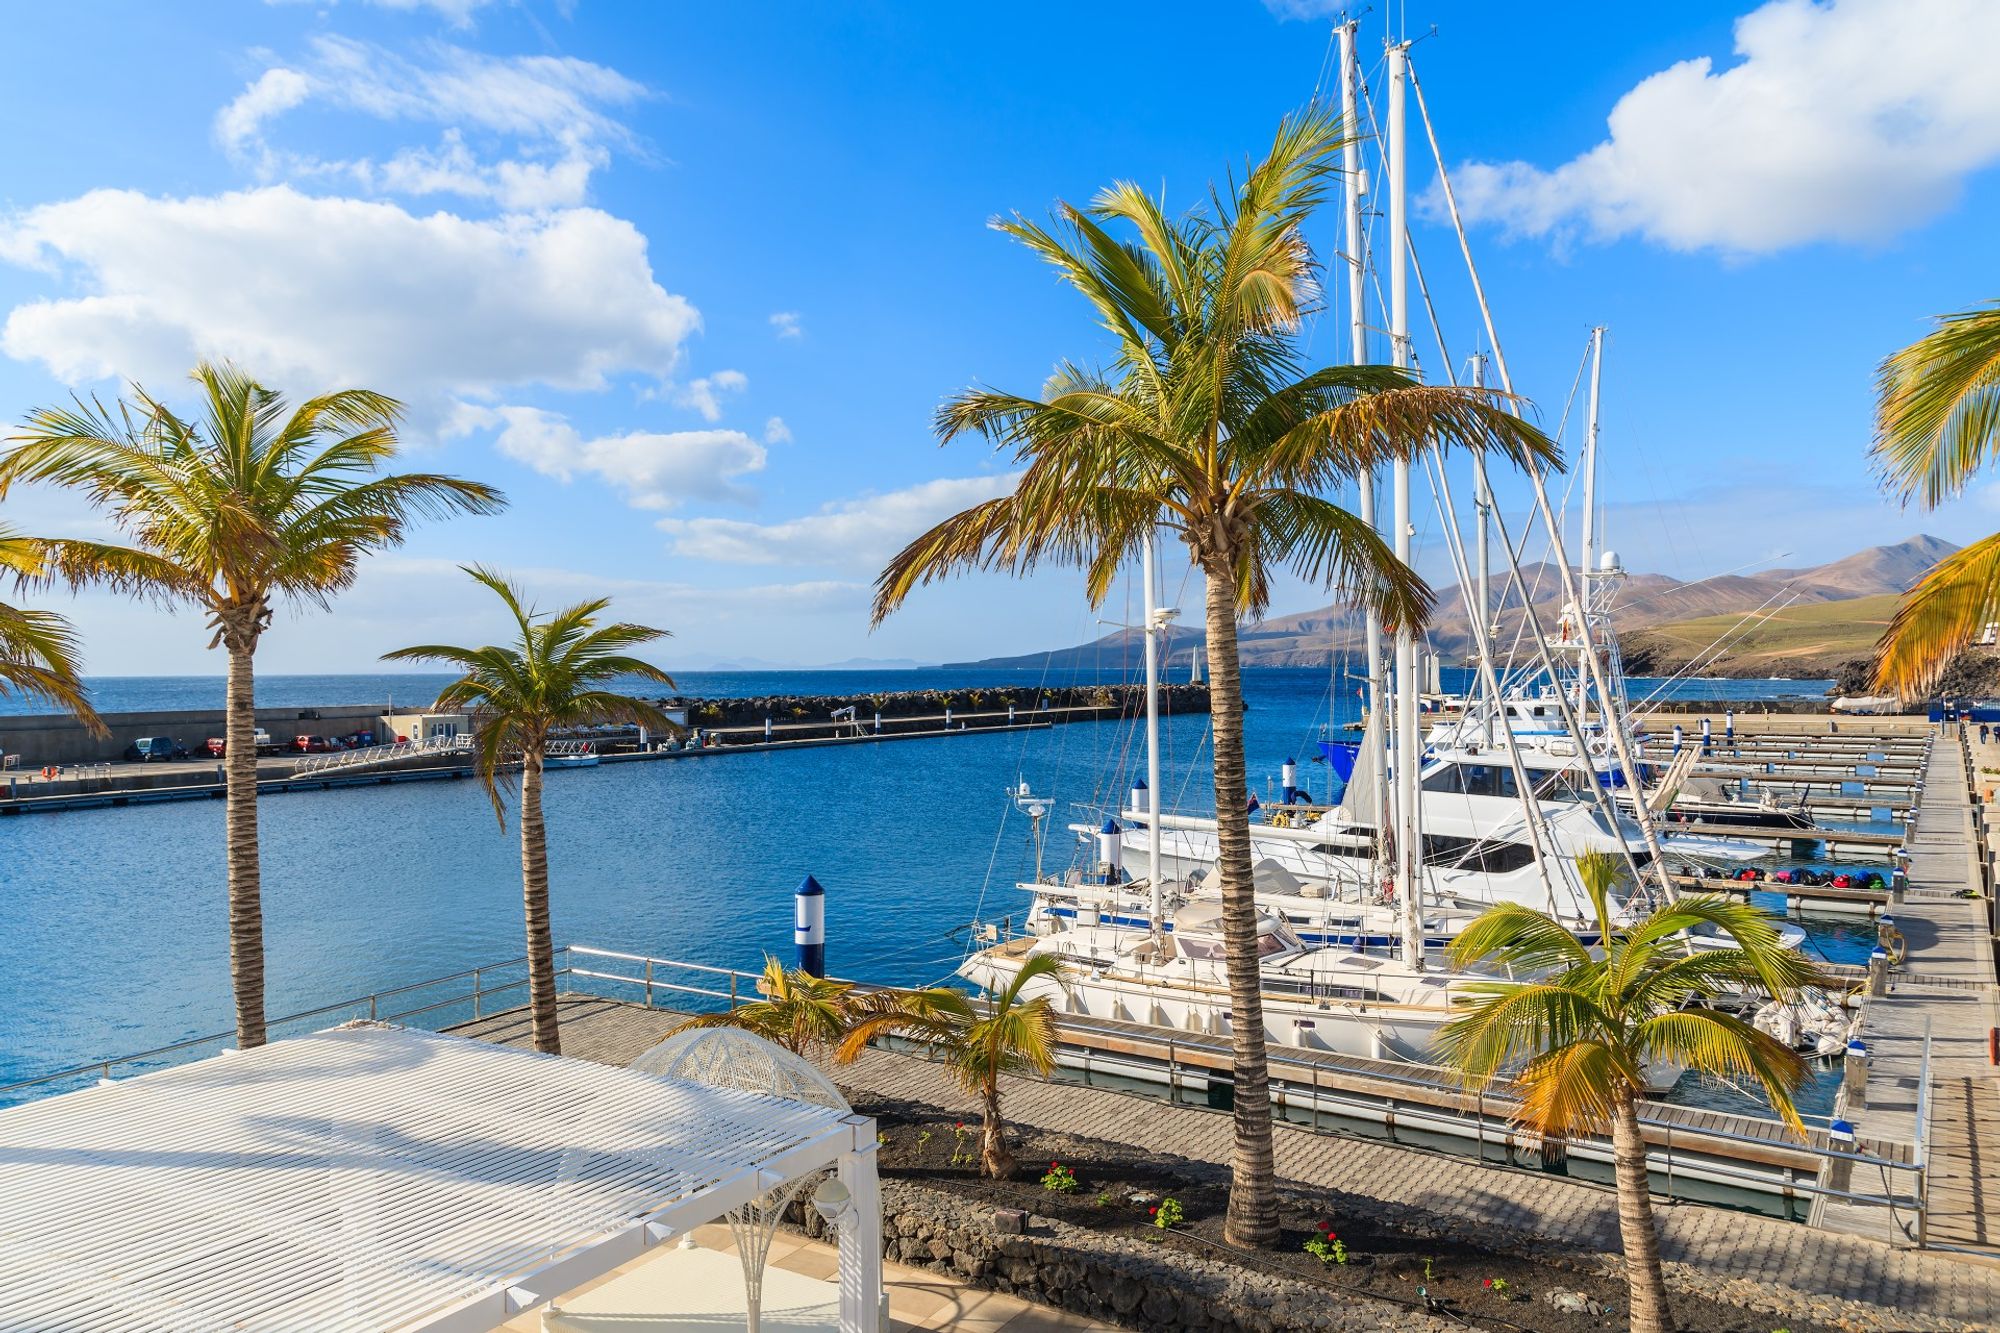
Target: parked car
(259, 738)
(310, 744)
(147, 749)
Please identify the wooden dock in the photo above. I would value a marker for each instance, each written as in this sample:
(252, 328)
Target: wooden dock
(1930, 1082)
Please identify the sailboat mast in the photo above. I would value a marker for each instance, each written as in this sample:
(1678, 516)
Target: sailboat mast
(1152, 608)
(1591, 537)
(1409, 746)
(1482, 504)
(1357, 331)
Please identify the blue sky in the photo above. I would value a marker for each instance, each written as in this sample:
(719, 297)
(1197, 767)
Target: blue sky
(689, 280)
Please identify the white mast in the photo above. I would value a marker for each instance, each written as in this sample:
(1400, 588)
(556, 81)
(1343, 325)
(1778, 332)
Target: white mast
(1409, 745)
(1153, 626)
(1591, 537)
(1354, 186)
(1482, 504)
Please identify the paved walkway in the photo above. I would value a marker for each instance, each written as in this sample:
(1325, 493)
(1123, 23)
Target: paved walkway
(918, 1298)
(1720, 1244)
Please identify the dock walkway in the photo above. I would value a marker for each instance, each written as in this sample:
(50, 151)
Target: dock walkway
(1906, 1288)
(1942, 997)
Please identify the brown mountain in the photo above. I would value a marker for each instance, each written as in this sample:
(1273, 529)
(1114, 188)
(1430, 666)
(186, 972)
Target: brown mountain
(1644, 601)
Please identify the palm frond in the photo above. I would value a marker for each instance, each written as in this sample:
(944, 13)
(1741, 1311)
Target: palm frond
(1937, 416)
(1939, 618)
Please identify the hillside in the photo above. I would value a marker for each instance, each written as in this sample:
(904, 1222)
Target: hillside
(1810, 640)
(1834, 613)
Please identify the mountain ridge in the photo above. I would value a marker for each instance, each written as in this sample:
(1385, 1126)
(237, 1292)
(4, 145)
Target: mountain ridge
(1645, 602)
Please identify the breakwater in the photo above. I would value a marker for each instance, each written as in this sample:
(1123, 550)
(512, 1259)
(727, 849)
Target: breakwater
(713, 727)
(802, 716)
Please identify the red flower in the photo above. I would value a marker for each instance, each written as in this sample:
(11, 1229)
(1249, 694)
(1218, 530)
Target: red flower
(1154, 1211)
(1054, 1165)
(1486, 1282)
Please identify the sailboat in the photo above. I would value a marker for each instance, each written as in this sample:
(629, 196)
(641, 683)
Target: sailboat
(1167, 967)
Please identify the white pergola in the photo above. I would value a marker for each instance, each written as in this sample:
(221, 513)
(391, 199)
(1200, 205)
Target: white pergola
(373, 1178)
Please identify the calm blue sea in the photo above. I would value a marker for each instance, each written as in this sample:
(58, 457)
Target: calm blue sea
(116, 935)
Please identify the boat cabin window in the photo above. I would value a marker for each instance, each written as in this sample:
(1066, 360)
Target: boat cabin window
(1473, 780)
(1491, 856)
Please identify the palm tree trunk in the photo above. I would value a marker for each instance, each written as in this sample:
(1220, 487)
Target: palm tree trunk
(994, 1158)
(535, 903)
(1650, 1313)
(246, 886)
(1253, 1202)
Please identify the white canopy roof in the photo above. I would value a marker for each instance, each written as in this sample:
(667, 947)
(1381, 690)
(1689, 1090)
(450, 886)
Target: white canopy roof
(370, 1178)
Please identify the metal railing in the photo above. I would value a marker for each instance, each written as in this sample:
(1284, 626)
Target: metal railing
(367, 755)
(469, 995)
(435, 1002)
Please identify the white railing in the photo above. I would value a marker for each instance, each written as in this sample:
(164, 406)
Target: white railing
(342, 760)
(565, 749)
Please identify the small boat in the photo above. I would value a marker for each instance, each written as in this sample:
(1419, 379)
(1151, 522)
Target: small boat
(585, 756)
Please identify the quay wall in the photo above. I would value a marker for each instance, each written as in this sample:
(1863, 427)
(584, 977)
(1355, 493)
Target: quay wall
(57, 738)
(43, 739)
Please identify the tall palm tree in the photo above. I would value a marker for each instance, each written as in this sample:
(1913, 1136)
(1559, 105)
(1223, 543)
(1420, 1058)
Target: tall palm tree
(1582, 1032)
(980, 1040)
(553, 675)
(38, 649)
(1209, 423)
(799, 1011)
(231, 511)
(1937, 422)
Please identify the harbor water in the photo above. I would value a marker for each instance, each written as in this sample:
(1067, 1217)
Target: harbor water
(117, 938)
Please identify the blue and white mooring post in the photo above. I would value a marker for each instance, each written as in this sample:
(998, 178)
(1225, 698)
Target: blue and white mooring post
(809, 926)
(1705, 737)
(1677, 738)
(1137, 796)
(1111, 851)
(1729, 724)
(1288, 781)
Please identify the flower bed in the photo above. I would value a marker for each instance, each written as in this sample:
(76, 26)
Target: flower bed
(1416, 1268)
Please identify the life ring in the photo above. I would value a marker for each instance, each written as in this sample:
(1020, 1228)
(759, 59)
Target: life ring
(50, 771)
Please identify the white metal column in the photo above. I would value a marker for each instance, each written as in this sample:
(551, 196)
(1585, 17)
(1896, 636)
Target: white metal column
(861, 1235)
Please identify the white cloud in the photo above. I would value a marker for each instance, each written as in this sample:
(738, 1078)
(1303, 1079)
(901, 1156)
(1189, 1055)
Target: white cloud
(319, 293)
(785, 323)
(271, 93)
(551, 110)
(705, 395)
(458, 13)
(654, 470)
(856, 534)
(1288, 10)
(777, 432)
(1849, 120)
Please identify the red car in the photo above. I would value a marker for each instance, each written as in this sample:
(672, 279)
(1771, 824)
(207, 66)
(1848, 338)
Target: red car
(310, 744)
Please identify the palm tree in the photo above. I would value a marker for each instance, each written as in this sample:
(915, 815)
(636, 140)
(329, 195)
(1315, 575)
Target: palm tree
(981, 1040)
(799, 1011)
(1937, 422)
(553, 675)
(232, 511)
(1210, 423)
(38, 649)
(1582, 1033)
